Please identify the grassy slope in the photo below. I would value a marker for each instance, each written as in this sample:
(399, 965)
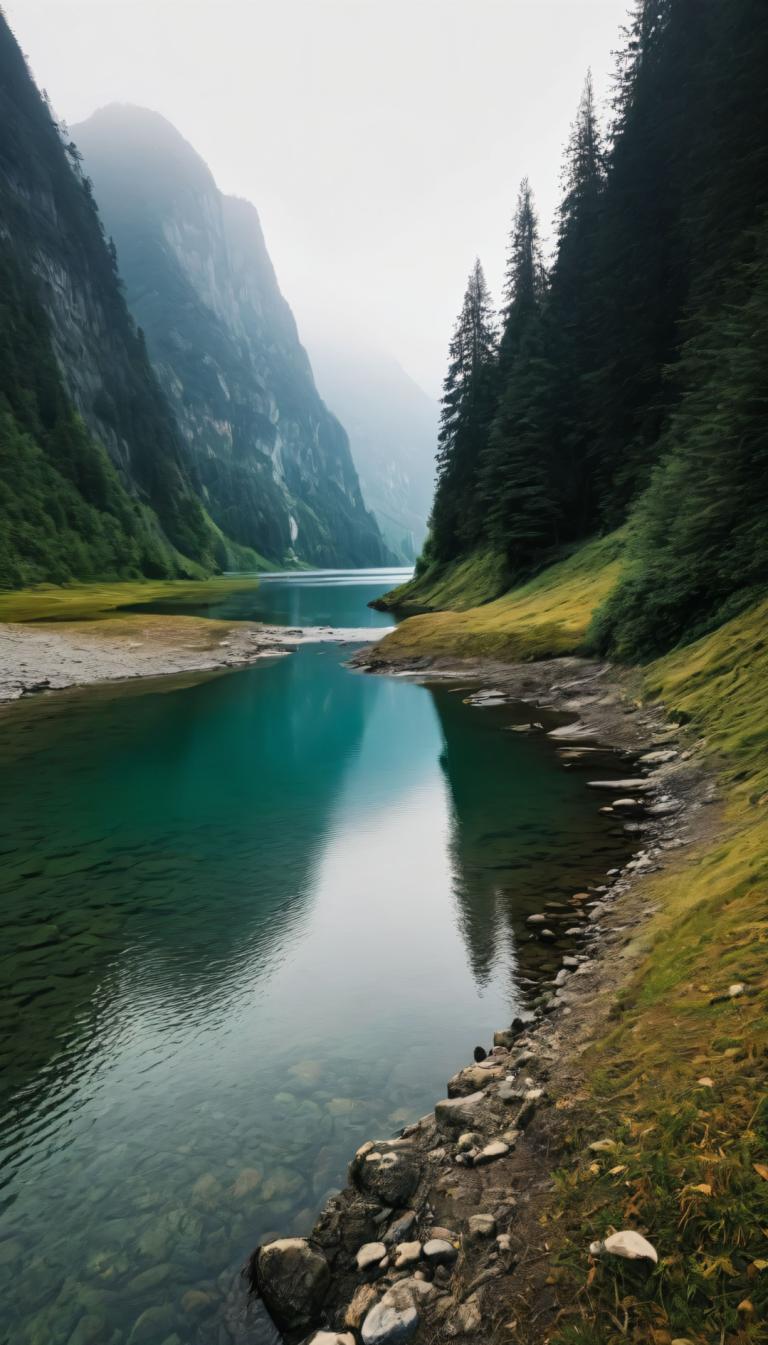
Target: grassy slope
(464, 584)
(684, 1168)
(550, 615)
(79, 602)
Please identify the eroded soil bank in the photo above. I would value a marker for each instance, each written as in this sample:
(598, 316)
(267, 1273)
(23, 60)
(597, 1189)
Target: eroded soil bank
(442, 1231)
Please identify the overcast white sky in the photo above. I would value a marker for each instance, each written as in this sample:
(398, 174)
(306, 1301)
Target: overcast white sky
(381, 140)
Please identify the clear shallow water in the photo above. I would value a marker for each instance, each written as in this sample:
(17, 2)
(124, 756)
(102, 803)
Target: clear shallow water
(246, 925)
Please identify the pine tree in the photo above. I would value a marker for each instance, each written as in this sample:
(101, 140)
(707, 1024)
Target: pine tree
(467, 407)
(515, 486)
(574, 315)
(524, 280)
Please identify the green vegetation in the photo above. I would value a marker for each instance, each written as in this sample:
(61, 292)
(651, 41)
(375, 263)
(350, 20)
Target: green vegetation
(87, 602)
(549, 615)
(679, 1081)
(65, 512)
(65, 508)
(627, 381)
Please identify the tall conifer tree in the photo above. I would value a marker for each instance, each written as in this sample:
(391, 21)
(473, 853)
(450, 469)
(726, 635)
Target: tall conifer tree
(467, 407)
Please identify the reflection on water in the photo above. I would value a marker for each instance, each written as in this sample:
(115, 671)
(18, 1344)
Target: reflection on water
(246, 924)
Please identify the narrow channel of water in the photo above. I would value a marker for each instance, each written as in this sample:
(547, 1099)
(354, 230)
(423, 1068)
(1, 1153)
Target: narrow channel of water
(246, 924)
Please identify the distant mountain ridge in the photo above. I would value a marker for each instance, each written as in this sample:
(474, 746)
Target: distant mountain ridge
(273, 464)
(93, 477)
(392, 426)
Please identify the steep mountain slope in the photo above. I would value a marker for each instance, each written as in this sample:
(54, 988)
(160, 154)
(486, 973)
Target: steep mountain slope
(75, 379)
(392, 427)
(274, 465)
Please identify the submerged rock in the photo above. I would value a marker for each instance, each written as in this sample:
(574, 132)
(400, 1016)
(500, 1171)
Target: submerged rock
(292, 1278)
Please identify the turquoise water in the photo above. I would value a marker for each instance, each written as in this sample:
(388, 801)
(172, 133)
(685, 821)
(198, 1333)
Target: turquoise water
(247, 924)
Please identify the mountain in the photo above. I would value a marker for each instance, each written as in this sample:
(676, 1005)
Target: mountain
(392, 426)
(274, 465)
(94, 478)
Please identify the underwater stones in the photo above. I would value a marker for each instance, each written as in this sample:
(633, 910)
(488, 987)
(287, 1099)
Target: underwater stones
(90, 1329)
(459, 1113)
(293, 1279)
(387, 1174)
(282, 1183)
(10, 1252)
(152, 1325)
(307, 1072)
(148, 1279)
(206, 1189)
(196, 1302)
(246, 1182)
(341, 1106)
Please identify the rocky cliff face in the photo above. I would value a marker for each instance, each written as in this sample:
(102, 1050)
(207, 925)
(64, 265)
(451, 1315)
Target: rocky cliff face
(61, 299)
(274, 465)
(392, 426)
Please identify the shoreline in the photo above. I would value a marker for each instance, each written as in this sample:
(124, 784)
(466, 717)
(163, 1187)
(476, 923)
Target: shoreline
(436, 1179)
(45, 657)
(476, 1174)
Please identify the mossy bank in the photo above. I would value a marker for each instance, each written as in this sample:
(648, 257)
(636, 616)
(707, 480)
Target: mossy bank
(667, 1076)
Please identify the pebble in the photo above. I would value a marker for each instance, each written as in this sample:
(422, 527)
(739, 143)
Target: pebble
(439, 1252)
(399, 1230)
(481, 1226)
(407, 1254)
(496, 1149)
(370, 1255)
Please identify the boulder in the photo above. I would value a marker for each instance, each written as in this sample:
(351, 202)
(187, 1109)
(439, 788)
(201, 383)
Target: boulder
(396, 1318)
(389, 1174)
(292, 1278)
(459, 1113)
(474, 1078)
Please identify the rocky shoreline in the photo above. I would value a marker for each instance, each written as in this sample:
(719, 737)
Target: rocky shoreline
(44, 657)
(439, 1235)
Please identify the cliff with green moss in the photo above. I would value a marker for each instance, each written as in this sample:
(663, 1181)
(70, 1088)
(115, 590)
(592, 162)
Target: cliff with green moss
(93, 479)
(273, 464)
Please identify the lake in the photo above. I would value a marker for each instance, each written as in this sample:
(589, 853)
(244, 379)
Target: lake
(247, 924)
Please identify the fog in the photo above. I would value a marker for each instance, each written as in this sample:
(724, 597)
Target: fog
(381, 140)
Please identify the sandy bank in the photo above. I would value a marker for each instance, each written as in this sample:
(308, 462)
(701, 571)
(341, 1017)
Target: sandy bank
(45, 657)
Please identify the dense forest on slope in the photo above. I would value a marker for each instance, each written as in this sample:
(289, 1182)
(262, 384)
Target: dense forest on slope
(92, 480)
(274, 465)
(626, 379)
